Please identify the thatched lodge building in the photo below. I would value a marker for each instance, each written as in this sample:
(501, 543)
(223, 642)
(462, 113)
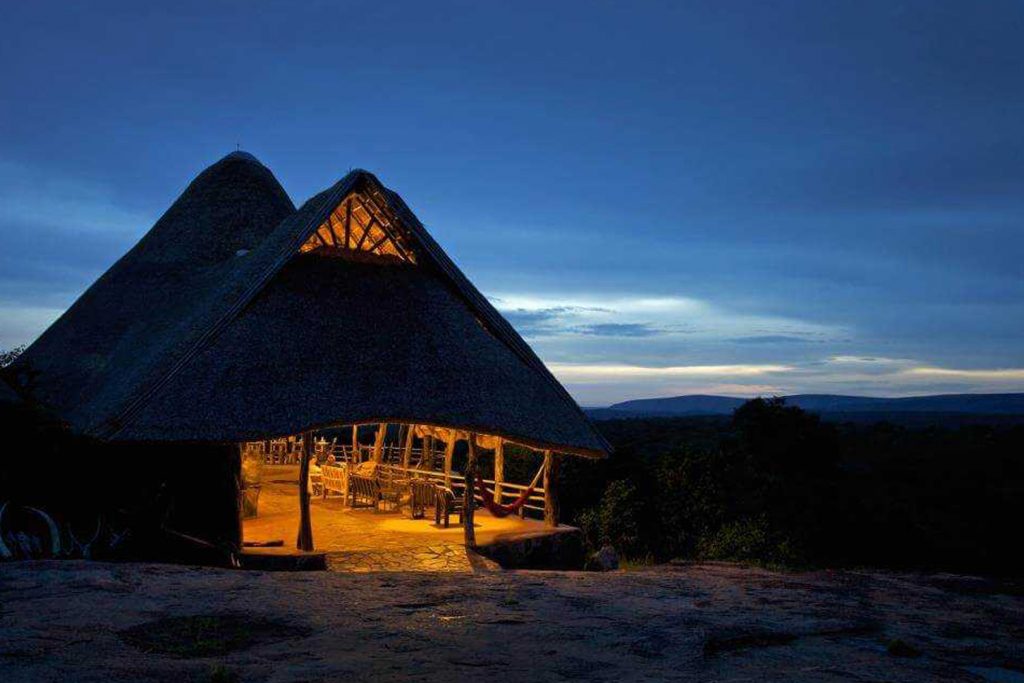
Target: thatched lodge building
(239, 319)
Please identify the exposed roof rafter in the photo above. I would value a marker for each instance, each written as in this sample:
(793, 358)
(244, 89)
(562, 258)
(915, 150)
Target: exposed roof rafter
(357, 224)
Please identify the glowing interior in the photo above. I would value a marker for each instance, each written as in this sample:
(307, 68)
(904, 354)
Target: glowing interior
(359, 226)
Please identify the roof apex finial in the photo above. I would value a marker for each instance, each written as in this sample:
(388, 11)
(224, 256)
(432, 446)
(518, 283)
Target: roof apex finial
(245, 156)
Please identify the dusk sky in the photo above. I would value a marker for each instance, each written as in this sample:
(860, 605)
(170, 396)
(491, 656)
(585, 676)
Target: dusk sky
(664, 198)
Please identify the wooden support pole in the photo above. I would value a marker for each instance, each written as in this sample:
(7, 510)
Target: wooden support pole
(428, 453)
(239, 487)
(410, 433)
(499, 469)
(305, 540)
(467, 494)
(550, 492)
(331, 230)
(366, 231)
(355, 443)
(378, 443)
(348, 222)
(449, 452)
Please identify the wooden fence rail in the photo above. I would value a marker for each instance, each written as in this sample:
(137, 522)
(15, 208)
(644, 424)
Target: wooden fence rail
(509, 491)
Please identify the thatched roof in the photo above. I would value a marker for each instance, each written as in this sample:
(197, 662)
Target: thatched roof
(217, 327)
(7, 394)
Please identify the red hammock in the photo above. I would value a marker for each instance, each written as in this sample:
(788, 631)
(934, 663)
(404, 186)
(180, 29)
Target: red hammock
(499, 510)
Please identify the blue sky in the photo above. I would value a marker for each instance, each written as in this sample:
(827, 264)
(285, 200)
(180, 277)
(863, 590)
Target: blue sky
(664, 198)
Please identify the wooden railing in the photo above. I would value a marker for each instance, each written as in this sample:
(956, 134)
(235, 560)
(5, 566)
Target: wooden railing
(390, 454)
(509, 491)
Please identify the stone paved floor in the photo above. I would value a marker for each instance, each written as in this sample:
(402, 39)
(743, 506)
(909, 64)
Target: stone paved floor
(364, 540)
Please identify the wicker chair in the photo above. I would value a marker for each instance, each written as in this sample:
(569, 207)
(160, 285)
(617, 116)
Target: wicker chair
(333, 479)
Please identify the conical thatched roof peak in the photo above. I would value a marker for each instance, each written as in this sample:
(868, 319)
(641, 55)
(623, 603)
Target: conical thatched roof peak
(132, 323)
(223, 324)
(243, 156)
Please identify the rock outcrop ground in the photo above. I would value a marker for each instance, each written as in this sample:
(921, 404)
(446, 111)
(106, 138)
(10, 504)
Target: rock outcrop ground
(79, 621)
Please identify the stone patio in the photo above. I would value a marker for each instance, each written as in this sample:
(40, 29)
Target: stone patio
(363, 540)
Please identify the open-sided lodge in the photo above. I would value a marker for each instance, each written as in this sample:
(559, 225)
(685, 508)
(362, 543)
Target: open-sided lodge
(241, 337)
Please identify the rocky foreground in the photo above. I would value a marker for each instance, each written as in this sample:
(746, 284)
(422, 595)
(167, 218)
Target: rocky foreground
(77, 621)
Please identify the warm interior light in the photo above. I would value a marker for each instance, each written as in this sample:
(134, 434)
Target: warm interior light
(358, 226)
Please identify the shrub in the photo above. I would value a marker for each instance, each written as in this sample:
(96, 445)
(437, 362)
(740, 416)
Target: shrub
(619, 521)
(750, 539)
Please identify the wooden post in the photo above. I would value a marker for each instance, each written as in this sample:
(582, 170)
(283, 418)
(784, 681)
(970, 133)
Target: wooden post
(449, 452)
(355, 443)
(428, 453)
(410, 432)
(239, 488)
(499, 470)
(378, 443)
(305, 540)
(550, 494)
(345, 472)
(467, 494)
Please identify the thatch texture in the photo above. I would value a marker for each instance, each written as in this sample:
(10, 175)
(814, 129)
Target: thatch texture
(330, 338)
(7, 394)
(131, 326)
(217, 328)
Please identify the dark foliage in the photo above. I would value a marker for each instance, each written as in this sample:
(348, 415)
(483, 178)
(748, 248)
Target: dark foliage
(150, 502)
(774, 484)
(8, 356)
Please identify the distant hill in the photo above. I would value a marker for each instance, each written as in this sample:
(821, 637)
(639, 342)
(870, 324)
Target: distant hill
(849, 406)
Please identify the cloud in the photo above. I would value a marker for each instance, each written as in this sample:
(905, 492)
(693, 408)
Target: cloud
(620, 330)
(546, 316)
(592, 373)
(601, 384)
(996, 375)
(770, 339)
(543, 321)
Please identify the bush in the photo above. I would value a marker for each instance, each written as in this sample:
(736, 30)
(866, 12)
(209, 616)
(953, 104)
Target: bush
(777, 485)
(618, 521)
(750, 539)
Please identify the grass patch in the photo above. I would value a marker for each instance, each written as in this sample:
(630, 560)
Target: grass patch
(634, 563)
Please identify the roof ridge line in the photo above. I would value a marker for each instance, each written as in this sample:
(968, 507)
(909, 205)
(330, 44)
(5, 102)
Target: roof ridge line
(119, 422)
(332, 197)
(501, 327)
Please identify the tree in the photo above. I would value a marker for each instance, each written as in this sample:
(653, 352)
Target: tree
(8, 356)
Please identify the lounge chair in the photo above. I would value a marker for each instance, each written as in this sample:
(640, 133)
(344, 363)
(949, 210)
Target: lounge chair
(422, 494)
(363, 491)
(448, 501)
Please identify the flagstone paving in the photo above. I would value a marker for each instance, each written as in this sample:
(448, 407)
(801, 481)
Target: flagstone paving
(364, 540)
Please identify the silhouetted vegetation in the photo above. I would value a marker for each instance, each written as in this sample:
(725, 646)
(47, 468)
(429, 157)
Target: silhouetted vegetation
(142, 499)
(774, 484)
(8, 356)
